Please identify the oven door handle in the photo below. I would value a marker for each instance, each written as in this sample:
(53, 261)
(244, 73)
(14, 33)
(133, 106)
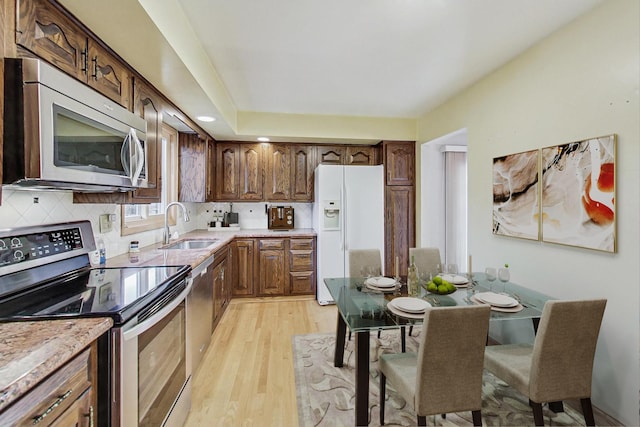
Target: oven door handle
(151, 321)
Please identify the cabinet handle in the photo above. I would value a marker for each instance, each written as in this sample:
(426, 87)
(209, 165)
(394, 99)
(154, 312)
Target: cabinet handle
(85, 60)
(95, 68)
(90, 416)
(57, 403)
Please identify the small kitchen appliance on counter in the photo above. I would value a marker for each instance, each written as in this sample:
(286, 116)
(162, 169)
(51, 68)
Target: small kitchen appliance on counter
(281, 218)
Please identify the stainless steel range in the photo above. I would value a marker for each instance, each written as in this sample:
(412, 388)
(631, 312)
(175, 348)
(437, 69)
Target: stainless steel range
(144, 372)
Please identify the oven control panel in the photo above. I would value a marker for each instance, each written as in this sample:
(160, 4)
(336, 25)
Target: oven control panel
(26, 247)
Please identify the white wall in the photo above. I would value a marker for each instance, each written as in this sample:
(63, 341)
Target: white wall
(583, 81)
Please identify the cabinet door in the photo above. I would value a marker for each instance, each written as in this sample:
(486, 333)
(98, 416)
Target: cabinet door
(272, 264)
(210, 164)
(331, 154)
(243, 267)
(147, 104)
(250, 172)
(399, 231)
(277, 183)
(192, 159)
(302, 283)
(108, 75)
(48, 33)
(399, 159)
(81, 413)
(218, 285)
(302, 169)
(359, 155)
(227, 171)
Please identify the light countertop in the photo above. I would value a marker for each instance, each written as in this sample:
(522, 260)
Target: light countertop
(30, 351)
(156, 255)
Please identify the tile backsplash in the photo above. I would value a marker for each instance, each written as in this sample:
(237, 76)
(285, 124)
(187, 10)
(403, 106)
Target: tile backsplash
(24, 208)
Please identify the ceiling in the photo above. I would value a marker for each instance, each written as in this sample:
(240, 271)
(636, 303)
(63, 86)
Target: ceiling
(331, 70)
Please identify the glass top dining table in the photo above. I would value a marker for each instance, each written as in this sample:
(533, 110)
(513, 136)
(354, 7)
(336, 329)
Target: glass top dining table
(362, 310)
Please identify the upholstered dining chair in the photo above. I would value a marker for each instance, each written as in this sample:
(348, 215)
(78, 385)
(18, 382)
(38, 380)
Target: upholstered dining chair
(446, 374)
(362, 259)
(559, 364)
(427, 260)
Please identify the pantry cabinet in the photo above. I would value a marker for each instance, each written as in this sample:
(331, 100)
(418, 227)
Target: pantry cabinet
(399, 160)
(45, 30)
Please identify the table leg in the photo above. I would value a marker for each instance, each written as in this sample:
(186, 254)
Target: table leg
(362, 378)
(341, 332)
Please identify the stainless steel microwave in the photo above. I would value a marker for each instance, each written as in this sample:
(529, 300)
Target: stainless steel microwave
(61, 134)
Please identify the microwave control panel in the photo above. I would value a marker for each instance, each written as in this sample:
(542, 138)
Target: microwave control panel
(17, 249)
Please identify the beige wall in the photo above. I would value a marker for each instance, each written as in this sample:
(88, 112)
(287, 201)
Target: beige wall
(583, 81)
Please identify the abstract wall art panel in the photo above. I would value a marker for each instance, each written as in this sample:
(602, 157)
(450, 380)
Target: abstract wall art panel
(515, 195)
(578, 194)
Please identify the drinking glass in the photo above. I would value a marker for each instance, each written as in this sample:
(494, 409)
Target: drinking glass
(504, 276)
(451, 268)
(491, 275)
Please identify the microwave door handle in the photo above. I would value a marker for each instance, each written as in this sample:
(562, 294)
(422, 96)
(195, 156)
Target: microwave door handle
(125, 156)
(138, 156)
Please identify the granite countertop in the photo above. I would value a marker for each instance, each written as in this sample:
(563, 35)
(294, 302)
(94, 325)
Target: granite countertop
(30, 351)
(155, 255)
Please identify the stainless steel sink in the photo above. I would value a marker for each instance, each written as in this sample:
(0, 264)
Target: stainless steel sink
(192, 244)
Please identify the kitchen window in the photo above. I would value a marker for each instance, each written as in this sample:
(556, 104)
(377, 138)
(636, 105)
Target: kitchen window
(139, 218)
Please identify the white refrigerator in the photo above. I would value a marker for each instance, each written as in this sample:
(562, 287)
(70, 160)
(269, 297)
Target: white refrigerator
(348, 213)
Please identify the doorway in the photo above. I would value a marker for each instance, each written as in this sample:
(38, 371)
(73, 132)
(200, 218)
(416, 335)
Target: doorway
(443, 206)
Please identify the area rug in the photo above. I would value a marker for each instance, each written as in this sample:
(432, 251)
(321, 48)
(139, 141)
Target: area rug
(326, 395)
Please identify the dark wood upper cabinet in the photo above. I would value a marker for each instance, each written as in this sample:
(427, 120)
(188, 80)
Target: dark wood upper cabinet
(192, 160)
(331, 154)
(227, 171)
(399, 160)
(251, 171)
(303, 161)
(277, 183)
(361, 155)
(147, 104)
(43, 29)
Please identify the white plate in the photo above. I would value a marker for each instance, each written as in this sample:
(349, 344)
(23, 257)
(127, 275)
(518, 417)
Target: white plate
(410, 304)
(455, 279)
(497, 300)
(379, 289)
(392, 308)
(381, 282)
(514, 309)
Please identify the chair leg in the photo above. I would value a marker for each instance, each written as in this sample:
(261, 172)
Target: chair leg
(410, 330)
(349, 334)
(538, 418)
(379, 332)
(383, 384)
(403, 340)
(587, 410)
(422, 420)
(477, 417)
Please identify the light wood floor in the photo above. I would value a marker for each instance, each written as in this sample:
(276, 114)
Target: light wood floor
(246, 377)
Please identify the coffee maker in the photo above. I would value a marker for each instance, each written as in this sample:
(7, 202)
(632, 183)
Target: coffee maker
(280, 218)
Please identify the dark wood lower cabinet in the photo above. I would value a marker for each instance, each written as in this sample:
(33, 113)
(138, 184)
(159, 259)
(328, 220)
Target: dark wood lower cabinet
(222, 278)
(244, 262)
(272, 265)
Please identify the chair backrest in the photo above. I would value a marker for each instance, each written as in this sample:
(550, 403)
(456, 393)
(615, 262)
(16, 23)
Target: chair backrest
(451, 359)
(564, 349)
(361, 258)
(427, 260)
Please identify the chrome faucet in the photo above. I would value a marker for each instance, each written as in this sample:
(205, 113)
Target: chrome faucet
(167, 234)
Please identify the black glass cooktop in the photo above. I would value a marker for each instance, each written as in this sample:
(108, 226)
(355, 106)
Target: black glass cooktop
(119, 293)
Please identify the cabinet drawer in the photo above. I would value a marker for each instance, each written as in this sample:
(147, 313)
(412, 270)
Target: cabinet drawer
(271, 244)
(52, 397)
(301, 244)
(302, 283)
(300, 260)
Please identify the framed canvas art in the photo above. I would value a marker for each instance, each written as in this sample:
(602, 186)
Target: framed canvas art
(515, 195)
(578, 193)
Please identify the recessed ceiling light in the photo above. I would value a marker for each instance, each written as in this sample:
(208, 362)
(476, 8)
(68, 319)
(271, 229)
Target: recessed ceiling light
(263, 139)
(206, 118)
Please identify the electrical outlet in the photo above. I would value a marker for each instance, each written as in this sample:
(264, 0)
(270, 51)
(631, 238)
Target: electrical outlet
(106, 223)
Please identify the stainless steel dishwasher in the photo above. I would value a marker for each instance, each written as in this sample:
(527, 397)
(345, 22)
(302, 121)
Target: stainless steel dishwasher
(200, 312)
